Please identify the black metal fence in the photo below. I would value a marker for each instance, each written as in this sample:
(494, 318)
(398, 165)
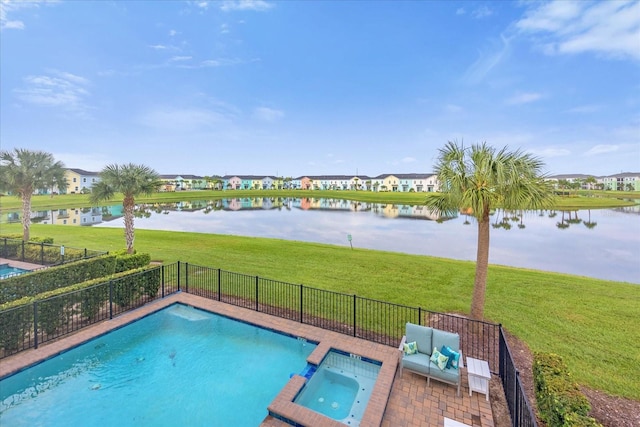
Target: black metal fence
(520, 409)
(373, 320)
(43, 253)
(378, 321)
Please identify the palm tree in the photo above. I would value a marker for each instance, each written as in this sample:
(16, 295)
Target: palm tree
(480, 178)
(130, 180)
(24, 171)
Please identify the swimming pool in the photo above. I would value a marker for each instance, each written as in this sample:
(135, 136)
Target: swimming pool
(7, 271)
(340, 387)
(178, 366)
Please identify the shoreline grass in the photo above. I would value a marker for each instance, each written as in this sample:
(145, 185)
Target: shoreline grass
(585, 200)
(591, 323)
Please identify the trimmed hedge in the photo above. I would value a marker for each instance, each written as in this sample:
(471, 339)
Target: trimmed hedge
(57, 307)
(560, 401)
(56, 277)
(62, 276)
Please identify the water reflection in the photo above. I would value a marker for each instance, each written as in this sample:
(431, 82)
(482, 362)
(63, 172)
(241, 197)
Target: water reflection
(601, 243)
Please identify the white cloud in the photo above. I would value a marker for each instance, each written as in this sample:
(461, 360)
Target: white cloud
(267, 114)
(610, 29)
(523, 98)
(158, 47)
(482, 12)
(172, 33)
(583, 109)
(57, 89)
(90, 162)
(408, 160)
(256, 5)
(487, 61)
(601, 149)
(8, 7)
(180, 58)
(460, 11)
(183, 120)
(224, 29)
(551, 152)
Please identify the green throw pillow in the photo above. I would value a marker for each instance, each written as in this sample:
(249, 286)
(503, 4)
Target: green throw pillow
(454, 357)
(439, 359)
(410, 348)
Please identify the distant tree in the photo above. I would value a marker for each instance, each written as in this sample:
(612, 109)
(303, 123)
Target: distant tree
(478, 179)
(591, 182)
(24, 171)
(131, 180)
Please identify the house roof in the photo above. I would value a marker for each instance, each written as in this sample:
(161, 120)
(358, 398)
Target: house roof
(405, 175)
(83, 172)
(185, 176)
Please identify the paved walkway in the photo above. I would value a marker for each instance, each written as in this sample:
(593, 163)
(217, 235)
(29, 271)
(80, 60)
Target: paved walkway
(409, 402)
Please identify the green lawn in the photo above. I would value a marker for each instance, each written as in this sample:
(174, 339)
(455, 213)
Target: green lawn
(586, 200)
(592, 323)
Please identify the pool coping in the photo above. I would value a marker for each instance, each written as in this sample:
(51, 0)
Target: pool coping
(282, 404)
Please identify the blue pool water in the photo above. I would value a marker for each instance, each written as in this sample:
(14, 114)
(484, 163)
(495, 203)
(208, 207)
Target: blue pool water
(7, 271)
(340, 388)
(179, 366)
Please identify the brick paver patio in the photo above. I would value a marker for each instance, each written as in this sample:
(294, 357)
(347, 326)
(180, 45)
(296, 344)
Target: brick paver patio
(410, 401)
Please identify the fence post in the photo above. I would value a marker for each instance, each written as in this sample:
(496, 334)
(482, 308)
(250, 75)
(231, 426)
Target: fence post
(42, 253)
(110, 299)
(516, 400)
(420, 316)
(186, 277)
(85, 253)
(219, 284)
(35, 324)
(23, 250)
(354, 315)
(301, 287)
(162, 278)
(178, 276)
(257, 296)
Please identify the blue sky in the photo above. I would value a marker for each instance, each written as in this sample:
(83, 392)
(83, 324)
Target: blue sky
(320, 87)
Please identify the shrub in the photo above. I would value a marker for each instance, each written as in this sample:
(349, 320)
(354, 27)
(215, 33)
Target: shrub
(560, 401)
(56, 277)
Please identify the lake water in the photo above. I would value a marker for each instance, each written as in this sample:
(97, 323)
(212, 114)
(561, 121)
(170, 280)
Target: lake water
(603, 243)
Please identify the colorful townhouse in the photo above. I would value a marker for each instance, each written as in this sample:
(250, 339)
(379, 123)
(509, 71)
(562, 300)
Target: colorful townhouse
(183, 182)
(626, 181)
(80, 180)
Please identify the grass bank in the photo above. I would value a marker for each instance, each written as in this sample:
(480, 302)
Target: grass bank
(584, 200)
(592, 323)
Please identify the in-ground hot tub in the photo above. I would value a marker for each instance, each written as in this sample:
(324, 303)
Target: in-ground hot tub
(340, 387)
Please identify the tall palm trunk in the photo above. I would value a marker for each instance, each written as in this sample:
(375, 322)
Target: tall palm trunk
(26, 215)
(129, 206)
(482, 265)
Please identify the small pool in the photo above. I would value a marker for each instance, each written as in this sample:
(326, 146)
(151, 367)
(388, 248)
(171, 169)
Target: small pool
(7, 271)
(340, 387)
(178, 366)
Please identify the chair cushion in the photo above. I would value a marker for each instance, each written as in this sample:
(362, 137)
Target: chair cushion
(418, 362)
(421, 335)
(447, 339)
(450, 375)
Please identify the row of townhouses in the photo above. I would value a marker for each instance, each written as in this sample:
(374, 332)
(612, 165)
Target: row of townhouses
(80, 181)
